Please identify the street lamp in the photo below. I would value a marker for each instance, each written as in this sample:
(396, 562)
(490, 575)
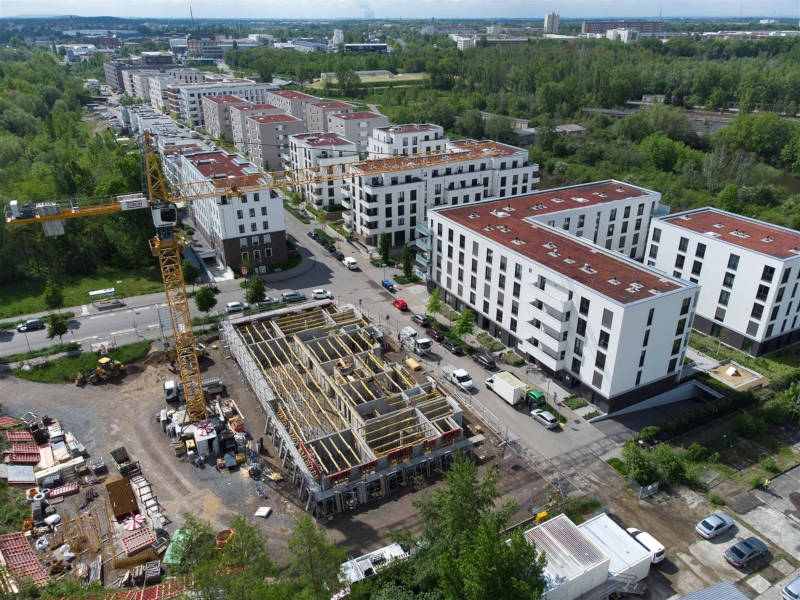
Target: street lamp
(25, 331)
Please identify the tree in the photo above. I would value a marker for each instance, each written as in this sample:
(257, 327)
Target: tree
(57, 325)
(470, 124)
(498, 128)
(256, 290)
(53, 295)
(407, 271)
(348, 81)
(434, 304)
(465, 323)
(383, 248)
(205, 300)
(313, 561)
(639, 464)
(190, 272)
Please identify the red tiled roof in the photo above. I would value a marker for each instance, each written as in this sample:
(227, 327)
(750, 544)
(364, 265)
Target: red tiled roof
(323, 139)
(273, 118)
(750, 234)
(357, 115)
(293, 95)
(224, 99)
(334, 104)
(411, 128)
(603, 271)
(21, 559)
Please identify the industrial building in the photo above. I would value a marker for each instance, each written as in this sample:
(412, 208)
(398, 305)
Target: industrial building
(348, 425)
(748, 272)
(645, 28)
(535, 271)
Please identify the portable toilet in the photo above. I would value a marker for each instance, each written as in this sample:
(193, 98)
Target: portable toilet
(205, 438)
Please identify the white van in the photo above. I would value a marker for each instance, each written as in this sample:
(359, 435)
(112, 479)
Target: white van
(350, 263)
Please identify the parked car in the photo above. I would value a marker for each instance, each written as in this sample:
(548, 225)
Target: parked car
(321, 294)
(338, 255)
(212, 285)
(269, 301)
(322, 241)
(387, 284)
(293, 296)
(651, 544)
(792, 590)
(400, 305)
(434, 334)
(31, 325)
(485, 360)
(420, 320)
(313, 235)
(452, 347)
(236, 306)
(743, 552)
(350, 262)
(713, 525)
(329, 247)
(545, 417)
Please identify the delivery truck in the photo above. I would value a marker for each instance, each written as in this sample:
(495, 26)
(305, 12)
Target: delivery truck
(507, 386)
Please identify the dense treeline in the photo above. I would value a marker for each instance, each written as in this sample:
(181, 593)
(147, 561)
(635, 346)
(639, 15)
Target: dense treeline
(48, 153)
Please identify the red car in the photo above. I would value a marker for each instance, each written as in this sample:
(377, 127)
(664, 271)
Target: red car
(400, 304)
(434, 334)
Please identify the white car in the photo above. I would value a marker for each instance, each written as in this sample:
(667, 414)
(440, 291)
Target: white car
(236, 306)
(545, 417)
(792, 590)
(350, 262)
(321, 294)
(651, 544)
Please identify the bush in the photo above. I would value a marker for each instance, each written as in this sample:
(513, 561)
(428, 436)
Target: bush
(513, 359)
(769, 465)
(575, 402)
(748, 425)
(488, 342)
(591, 415)
(323, 234)
(716, 500)
(63, 370)
(619, 466)
(577, 509)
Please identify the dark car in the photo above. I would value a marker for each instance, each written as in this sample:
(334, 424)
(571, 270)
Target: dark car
(313, 235)
(213, 287)
(485, 360)
(452, 347)
(293, 296)
(742, 553)
(322, 241)
(31, 325)
(420, 320)
(338, 255)
(330, 247)
(434, 334)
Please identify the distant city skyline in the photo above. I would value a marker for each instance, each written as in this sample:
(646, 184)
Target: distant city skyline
(417, 9)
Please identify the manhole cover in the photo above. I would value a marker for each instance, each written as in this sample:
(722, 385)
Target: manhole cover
(516, 467)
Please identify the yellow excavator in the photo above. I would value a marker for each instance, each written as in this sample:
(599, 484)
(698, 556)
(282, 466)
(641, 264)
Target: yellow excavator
(105, 368)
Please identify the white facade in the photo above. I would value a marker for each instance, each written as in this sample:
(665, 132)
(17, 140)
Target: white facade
(404, 140)
(622, 35)
(309, 150)
(290, 101)
(392, 196)
(190, 96)
(317, 114)
(551, 22)
(356, 126)
(589, 315)
(748, 271)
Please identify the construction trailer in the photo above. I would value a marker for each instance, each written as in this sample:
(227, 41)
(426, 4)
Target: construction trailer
(348, 425)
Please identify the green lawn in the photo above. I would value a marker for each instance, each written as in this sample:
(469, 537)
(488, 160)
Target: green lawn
(25, 296)
(776, 364)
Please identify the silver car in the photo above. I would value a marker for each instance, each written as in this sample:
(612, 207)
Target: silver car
(713, 525)
(791, 591)
(545, 417)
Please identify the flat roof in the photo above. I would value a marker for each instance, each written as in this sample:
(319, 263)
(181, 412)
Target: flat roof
(472, 151)
(411, 128)
(722, 591)
(498, 148)
(616, 543)
(604, 271)
(219, 164)
(568, 551)
(751, 234)
(357, 115)
(333, 104)
(273, 118)
(293, 95)
(224, 99)
(323, 139)
(255, 107)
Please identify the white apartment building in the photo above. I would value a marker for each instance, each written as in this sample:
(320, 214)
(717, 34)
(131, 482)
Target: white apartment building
(356, 126)
(267, 138)
(307, 150)
(748, 272)
(239, 115)
(190, 95)
(391, 196)
(128, 77)
(141, 83)
(251, 226)
(317, 113)
(216, 115)
(601, 322)
(159, 85)
(402, 140)
(290, 101)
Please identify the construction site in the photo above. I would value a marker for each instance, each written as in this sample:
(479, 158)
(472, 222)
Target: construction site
(348, 425)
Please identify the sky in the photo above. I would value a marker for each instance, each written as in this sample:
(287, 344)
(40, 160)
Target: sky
(410, 9)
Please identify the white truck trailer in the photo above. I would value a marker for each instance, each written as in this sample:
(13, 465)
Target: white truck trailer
(507, 386)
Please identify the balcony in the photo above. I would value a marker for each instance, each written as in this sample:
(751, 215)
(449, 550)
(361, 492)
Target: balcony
(423, 244)
(345, 192)
(345, 202)
(422, 229)
(542, 354)
(347, 217)
(422, 260)
(548, 316)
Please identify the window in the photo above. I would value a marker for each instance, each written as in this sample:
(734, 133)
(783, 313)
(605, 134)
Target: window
(517, 271)
(578, 348)
(499, 316)
(576, 366)
(640, 209)
(627, 212)
(252, 212)
(624, 227)
(581, 328)
(638, 377)
(641, 357)
(241, 228)
(604, 339)
(584, 307)
(600, 360)
(733, 262)
(720, 314)
(762, 293)
(243, 242)
(513, 325)
(683, 244)
(680, 327)
(769, 330)
(244, 256)
(597, 380)
(727, 281)
(700, 252)
(253, 226)
(581, 220)
(752, 328)
(724, 297)
(767, 273)
(679, 261)
(696, 266)
(239, 214)
(515, 290)
(758, 310)
(774, 314)
(255, 197)
(654, 251)
(610, 230)
(656, 235)
(785, 277)
(672, 364)
(502, 262)
(608, 318)
(489, 255)
(263, 211)
(650, 317)
(676, 346)
(501, 282)
(514, 308)
(779, 297)
(646, 337)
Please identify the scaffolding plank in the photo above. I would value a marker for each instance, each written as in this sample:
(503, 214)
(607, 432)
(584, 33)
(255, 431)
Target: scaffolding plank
(20, 558)
(64, 490)
(19, 436)
(8, 422)
(138, 540)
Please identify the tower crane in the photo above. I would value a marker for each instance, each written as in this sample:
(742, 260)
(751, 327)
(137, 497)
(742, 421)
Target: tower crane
(166, 246)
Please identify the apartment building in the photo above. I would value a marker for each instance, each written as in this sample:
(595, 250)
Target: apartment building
(645, 28)
(159, 86)
(239, 115)
(267, 138)
(251, 226)
(748, 272)
(402, 140)
(308, 150)
(292, 102)
(356, 126)
(190, 95)
(392, 195)
(317, 113)
(113, 70)
(202, 46)
(606, 325)
(140, 81)
(216, 115)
